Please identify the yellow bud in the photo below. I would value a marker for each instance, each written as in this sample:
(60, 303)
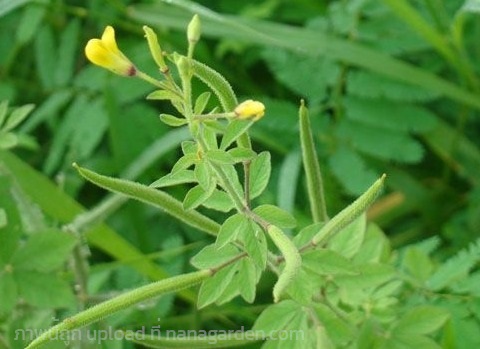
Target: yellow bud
(250, 109)
(104, 52)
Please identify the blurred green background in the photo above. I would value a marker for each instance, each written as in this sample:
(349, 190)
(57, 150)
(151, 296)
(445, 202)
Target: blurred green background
(392, 87)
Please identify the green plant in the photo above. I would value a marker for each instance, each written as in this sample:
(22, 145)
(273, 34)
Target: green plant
(337, 284)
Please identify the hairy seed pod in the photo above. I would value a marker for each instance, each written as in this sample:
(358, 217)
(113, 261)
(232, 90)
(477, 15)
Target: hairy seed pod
(293, 260)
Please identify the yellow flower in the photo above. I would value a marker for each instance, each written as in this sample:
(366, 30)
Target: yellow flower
(104, 52)
(250, 109)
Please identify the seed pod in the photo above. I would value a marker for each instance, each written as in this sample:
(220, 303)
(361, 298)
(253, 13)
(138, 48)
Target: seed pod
(293, 260)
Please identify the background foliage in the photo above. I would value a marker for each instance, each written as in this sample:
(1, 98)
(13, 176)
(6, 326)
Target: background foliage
(392, 87)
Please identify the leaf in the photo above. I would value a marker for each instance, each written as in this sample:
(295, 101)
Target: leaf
(185, 162)
(196, 196)
(175, 178)
(212, 288)
(173, 121)
(255, 244)
(233, 131)
(28, 25)
(242, 154)
(203, 175)
(277, 316)
(8, 140)
(44, 290)
(219, 201)
(17, 116)
(343, 163)
(370, 85)
(326, 262)
(288, 179)
(162, 95)
(455, 268)
(201, 103)
(247, 279)
(276, 216)
(260, 169)
(3, 112)
(422, 319)
(44, 251)
(220, 157)
(67, 53)
(45, 56)
(381, 113)
(380, 143)
(8, 290)
(348, 241)
(417, 264)
(211, 257)
(231, 229)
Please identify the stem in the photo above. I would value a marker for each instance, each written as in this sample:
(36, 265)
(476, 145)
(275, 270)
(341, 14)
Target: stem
(246, 171)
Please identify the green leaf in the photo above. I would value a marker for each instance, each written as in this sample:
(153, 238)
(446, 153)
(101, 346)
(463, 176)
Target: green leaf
(67, 53)
(233, 131)
(288, 178)
(220, 157)
(201, 103)
(242, 154)
(247, 279)
(211, 257)
(260, 169)
(343, 162)
(212, 288)
(423, 319)
(276, 216)
(417, 264)
(255, 244)
(28, 25)
(3, 112)
(380, 142)
(162, 95)
(11, 232)
(3, 218)
(8, 140)
(277, 316)
(44, 251)
(44, 290)
(306, 234)
(173, 121)
(8, 290)
(189, 147)
(381, 113)
(203, 175)
(45, 56)
(196, 196)
(219, 201)
(231, 229)
(348, 241)
(369, 85)
(326, 262)
(17, 116)
(185, 162)
(175, 178)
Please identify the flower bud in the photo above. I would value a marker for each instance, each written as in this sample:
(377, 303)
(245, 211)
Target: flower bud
(194, 30)
(250, 109)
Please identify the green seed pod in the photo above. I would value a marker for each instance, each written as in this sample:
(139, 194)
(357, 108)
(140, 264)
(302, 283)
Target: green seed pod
(293, 260)
(155, 48)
